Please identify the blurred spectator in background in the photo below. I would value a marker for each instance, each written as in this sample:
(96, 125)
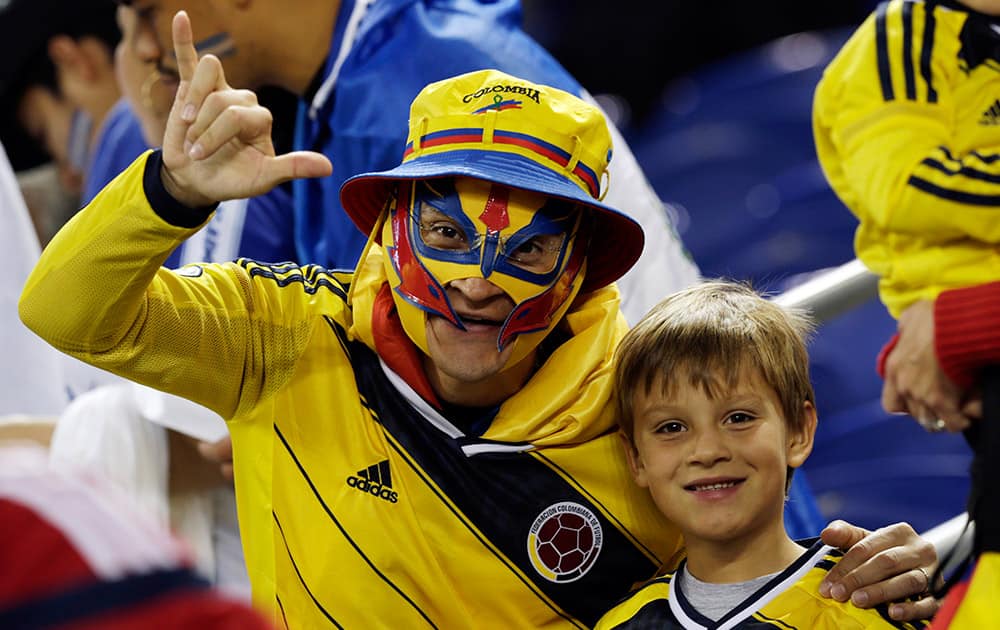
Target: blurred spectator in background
(57, 84)
(142, 440)
(31, 380)
(75, 555)
(259, 228)
(907, 126)
(136, 122)
(145, 443)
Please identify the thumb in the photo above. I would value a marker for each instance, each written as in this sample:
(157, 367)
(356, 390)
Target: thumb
(297, 165)
(842, 535)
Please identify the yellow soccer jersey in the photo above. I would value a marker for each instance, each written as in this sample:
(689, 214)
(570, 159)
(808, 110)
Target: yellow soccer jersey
(790, 601)
(907, 128)
(360, 505)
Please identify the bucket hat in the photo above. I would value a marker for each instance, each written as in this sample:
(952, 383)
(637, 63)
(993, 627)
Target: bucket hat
(499, 128)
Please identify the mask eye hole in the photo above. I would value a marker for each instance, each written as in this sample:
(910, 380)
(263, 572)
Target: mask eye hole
(538, 254)
(439, 231)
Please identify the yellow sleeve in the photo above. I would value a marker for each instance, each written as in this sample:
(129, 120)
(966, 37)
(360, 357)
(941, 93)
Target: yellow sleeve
(206, 332)
(899, 134)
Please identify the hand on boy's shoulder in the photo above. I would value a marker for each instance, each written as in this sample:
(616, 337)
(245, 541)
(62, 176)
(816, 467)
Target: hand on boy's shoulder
(882, 567)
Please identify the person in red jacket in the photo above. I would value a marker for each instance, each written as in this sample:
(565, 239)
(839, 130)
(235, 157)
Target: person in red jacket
(942, 364)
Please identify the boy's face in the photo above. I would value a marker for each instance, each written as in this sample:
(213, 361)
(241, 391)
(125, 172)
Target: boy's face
(716, 466)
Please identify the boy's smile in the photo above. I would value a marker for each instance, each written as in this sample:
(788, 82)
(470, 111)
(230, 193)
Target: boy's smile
(714, 488)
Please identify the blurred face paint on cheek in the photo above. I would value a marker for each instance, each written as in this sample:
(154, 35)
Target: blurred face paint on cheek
(220, 44)
(156, 18)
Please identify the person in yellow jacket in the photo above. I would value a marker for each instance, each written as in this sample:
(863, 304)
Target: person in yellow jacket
(906, 121)
(716, 412)
(907, 127)
(427, 441)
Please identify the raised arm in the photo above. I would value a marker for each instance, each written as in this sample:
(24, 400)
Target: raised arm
(98, 293)
(218, 140)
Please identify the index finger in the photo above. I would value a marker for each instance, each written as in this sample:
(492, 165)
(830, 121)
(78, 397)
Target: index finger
(187, 56)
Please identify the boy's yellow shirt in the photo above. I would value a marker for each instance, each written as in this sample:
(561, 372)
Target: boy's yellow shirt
(790, 599)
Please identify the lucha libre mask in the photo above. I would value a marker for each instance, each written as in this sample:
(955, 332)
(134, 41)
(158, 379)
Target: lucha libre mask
(529, 245)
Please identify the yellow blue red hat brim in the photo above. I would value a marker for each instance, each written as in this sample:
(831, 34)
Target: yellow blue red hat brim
(616, 239)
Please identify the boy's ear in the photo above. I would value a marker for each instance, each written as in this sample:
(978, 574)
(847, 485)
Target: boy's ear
(634, 461)
(800, 440)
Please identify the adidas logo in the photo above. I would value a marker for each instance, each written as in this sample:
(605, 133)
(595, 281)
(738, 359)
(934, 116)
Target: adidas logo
(992, 115)
(375, 480)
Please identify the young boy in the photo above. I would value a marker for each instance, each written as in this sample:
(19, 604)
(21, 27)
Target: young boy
(716, 410)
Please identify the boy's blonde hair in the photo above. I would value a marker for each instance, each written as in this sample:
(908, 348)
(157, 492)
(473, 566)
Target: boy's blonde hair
(715, 329)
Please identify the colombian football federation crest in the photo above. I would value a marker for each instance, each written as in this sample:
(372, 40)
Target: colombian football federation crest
(564, 541)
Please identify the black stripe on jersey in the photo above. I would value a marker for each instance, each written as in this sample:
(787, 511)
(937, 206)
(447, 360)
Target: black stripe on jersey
(621, 526)
(501, 494)
(883, 611)
(347, 537)
(286, 265)
(825, 564)
(965, 171)
(985, 159)
(281, 609)
(958, 196)
(765, 621)
(301, 579)
(908, 73)
(486, 543)
(655, 615)
(322, 278)
(771, 621)
(341, 335)
(882, 52)
(927, 51)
